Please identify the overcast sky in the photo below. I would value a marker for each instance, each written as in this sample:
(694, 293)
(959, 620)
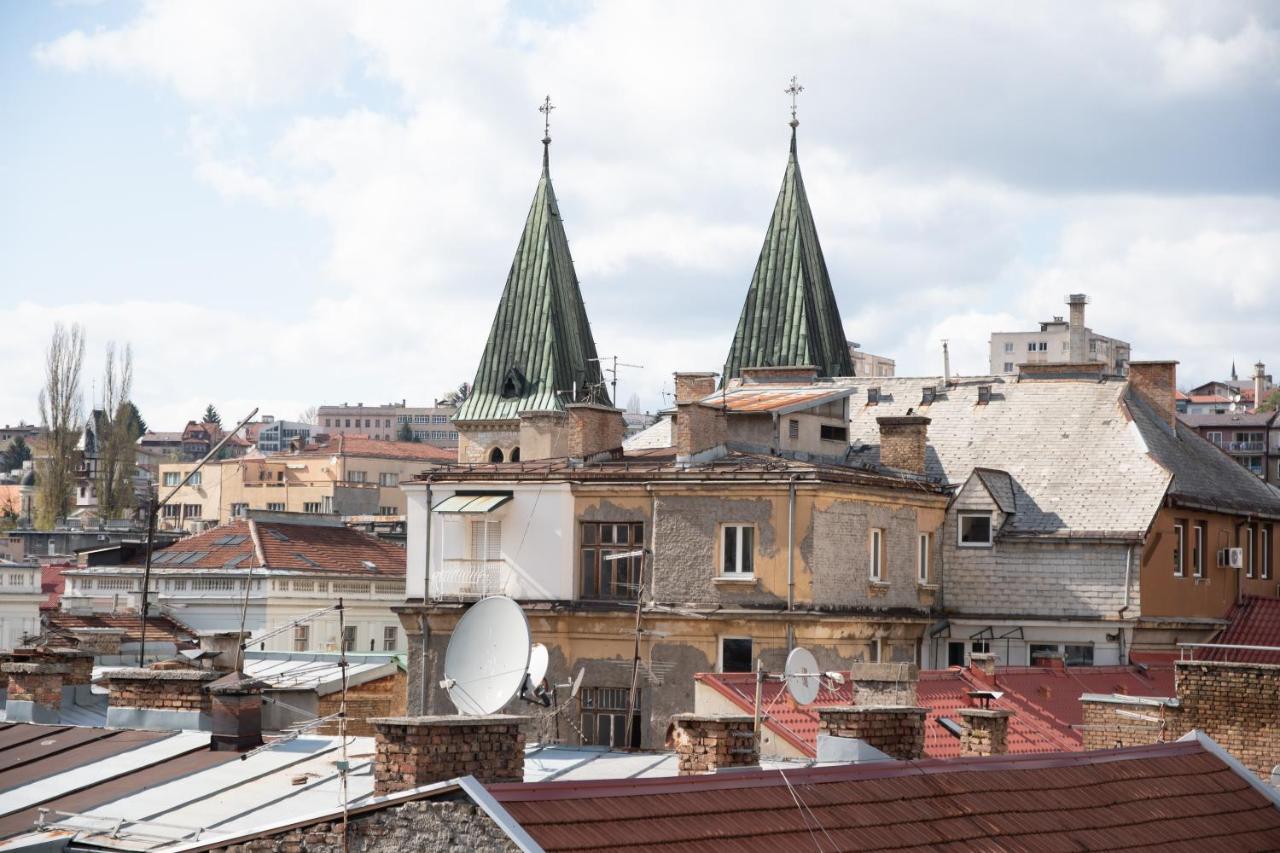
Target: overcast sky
(291, 203)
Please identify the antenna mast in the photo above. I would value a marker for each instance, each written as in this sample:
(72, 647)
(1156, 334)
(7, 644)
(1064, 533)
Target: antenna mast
(613, 374)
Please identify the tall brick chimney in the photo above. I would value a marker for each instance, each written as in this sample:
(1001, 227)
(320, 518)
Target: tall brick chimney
(986, 731)
(1078, 335)
(698, 428)
(1259, 383)
(903, 442)
(1156, 382)
(416, 751)
(707, 743)
(593, 429)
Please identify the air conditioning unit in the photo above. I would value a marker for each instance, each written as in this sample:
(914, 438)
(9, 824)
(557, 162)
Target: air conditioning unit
(1231, 558)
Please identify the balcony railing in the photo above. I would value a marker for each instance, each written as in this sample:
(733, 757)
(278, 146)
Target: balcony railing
(471, 579)
(1246, 446)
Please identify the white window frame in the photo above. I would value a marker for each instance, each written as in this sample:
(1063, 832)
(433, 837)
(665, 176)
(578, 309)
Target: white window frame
(1249, 570)
(390, 638)
(352, 631)
(172, 478)
(1180, 551)
(275, 507)
(1008, 346)
(484, 540)
(1264, 548)
(736, 571)
(875, 554)
(923, 548)
(1197, 551)
(991, 530)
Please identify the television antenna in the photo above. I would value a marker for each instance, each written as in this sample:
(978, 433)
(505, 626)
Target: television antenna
(613, 373)
(487, 661)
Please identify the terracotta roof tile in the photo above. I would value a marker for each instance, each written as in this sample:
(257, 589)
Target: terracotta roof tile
(359, 445)
(159, 628)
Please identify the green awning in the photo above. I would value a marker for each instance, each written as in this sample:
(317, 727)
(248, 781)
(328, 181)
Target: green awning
(472, 502)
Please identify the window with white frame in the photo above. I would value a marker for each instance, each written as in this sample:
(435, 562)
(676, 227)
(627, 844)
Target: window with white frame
(172, 478)
(1197, 551)
(239, 510)
(387, 510)
(876, 555)
(390, 638)
(974, 530)
(275, 507)
(301, 637)
(326, 503)
(357, 476)
(1179, 544)
(1248, 552)
(1216, 438)
(486, 540)
(192, 510)
(389, 478)
(311, 506)
(172, 510)
(1008, 367)
(195, 479)
(1031, 346)
(1008, 346)
(922, 557)
(1044, 346)
(737, 550)
(349, 638)
(1264, 551)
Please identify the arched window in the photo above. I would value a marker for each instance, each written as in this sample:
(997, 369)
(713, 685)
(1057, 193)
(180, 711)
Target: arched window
(495, 455)
(515, 454)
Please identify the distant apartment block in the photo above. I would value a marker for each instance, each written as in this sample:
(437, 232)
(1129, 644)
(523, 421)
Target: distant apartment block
(273, 436)
(1059, 341)
(1219, 397)
(1250, 438)
(866, 364)
(431, 424)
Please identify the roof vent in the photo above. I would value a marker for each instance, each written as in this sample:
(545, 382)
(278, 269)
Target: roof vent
(873, 396)
(984, 394)
(928, 395)
(369, 565)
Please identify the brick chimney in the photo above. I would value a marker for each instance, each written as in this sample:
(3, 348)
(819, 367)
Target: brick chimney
(236, 708)
(698, 428)
(593, 429)
(896, 730)
(225, 645)
(986, 731)
(707, 743)
(983, 666)
(1078, 335)
(791, 374)
(164, 699)
(416, 751)
(35, 691)
(903, 442)
(1156, 382)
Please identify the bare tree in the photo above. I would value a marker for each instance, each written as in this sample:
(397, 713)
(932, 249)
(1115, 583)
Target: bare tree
(117, 435)
(633, 404)
(61, 411)
(308, 415)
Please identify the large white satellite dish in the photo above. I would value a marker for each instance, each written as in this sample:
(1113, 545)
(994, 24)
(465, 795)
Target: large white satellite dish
(488, 656)
(802, 676)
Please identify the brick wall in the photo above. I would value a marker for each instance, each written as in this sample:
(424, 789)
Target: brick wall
(1156, 383)
(1236, 704)
(161, 690)
(593, 429)
(99, 641)
(40, 683)
(894, 730)
(382, 697)
(699, 428)
(415, 751)
(415, 825)
(707, 743)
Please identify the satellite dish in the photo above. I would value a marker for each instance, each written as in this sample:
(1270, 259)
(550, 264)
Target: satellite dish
(539, 659)
(577, 683)
(488, 656)
(802, 676)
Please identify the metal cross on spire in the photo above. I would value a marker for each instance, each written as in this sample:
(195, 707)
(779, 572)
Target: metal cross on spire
(794, 89)
(546, 109)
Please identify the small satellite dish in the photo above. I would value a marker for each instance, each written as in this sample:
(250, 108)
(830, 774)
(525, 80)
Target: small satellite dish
(539, 659)
(802, 676)
(488, 656)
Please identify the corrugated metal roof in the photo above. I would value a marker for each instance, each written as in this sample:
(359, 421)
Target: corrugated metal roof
(762, 399)
(1079, 801)
(1255, 621)
(540, 344)
(790, 316)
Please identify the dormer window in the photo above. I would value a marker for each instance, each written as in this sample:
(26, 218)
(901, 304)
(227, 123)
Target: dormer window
(873, 396)
(513, 384)
(928, 395)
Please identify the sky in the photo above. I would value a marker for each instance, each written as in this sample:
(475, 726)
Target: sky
(285, 204)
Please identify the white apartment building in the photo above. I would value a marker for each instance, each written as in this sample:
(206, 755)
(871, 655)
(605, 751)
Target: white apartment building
(1059, 341)
(869, 365)
(430, 424)
(20, 599)
(275, 436)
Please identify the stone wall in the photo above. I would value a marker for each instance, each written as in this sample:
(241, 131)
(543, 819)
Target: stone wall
(885, 683)
(99, 641)
(986, 731)
(894, 730)
(837, 552)
(415, 825)
(903, 441)
(1236, 704)
(416, 751)
(686, 564)
(708, 743)
(475, 440)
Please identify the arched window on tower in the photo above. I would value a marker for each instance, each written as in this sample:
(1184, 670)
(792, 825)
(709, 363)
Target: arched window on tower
(515, 454)
(495, 455)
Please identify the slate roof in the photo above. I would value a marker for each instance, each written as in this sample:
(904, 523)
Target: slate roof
(1230, 419)
(540, 344)
(1000, 485)
(790, 316)
(1169, 796)
(1072, 459)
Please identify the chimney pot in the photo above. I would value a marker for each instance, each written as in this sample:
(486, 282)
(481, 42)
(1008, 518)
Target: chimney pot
(904, 442)
(707, 743)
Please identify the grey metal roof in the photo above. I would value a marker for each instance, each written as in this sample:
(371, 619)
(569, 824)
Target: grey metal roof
(540, 347)
(790, 316)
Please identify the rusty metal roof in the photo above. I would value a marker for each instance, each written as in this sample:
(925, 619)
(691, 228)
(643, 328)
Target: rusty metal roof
(771, 399)
(1183, 795)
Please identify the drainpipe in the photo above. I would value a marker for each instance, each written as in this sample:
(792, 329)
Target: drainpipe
(424, 631)
(1128, 573)
(653, 541)
(791, 558)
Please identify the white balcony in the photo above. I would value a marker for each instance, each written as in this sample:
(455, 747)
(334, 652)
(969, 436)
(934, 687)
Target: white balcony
(465, 580)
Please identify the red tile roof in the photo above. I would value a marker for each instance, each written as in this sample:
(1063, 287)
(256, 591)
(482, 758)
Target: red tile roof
(1045, 701)
(359, 445)
(1253, 622)
(159, 628)
(1170, 796)
(308, 547)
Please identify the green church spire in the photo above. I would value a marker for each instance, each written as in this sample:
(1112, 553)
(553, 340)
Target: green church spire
(790, 317)
(540, 353)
